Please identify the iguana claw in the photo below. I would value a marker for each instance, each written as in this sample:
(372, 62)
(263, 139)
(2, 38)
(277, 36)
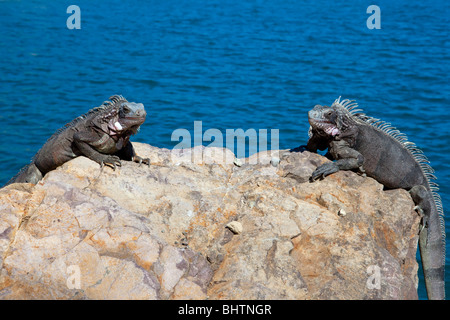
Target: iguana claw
(324, 170)
(111, 161)
(419, 210)
(141, 160)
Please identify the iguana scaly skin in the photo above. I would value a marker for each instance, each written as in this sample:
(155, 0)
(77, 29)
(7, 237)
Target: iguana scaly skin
(102, 135)
(356, 141)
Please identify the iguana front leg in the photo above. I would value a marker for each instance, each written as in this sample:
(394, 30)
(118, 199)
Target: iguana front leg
(316, 142)
(85, 142)
(128, 153)
(346, 158)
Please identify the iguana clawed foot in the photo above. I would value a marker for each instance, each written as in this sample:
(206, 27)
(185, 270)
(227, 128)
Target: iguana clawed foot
(419, 211)
(114, 161)
(141, 160)
(421, 214)
(111, 161)
(324, 170)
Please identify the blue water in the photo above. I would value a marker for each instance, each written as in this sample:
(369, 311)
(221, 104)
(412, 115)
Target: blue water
(230, 64)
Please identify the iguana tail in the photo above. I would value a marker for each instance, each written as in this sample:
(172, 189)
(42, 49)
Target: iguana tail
(431, 241)
(30, 174)
(432, 253)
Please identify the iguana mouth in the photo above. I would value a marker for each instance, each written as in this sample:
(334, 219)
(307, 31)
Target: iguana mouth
(332, 130)
(326, 126)
(125, 123)
(134, 118)
(120, 127)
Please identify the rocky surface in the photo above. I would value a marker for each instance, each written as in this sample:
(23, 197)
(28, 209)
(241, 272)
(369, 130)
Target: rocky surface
(197, 224)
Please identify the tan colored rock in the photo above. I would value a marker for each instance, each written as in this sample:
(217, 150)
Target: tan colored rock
(160, 232)
(235, 227)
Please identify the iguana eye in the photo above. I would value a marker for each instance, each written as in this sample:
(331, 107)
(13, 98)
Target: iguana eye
(124, 109)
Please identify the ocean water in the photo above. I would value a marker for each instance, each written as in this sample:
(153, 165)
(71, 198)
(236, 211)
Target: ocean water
(230, 64)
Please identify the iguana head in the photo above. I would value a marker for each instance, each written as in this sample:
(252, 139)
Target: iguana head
(130, 117)
(330, 121)
(120, 117)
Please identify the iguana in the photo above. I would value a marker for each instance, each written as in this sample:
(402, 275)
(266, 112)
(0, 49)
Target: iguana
(359, 142)
(102, 135)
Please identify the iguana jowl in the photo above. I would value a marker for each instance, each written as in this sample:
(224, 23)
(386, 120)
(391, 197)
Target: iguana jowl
(102, 135)
(356, 141)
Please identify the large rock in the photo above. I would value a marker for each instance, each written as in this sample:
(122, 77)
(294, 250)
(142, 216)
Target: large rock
(197, 224)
